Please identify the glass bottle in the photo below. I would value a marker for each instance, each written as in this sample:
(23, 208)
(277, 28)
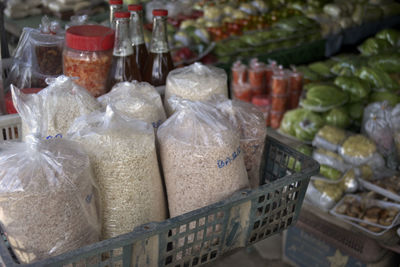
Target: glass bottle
(159, 62)
(115, 6)
(123, 66)
(136, 25)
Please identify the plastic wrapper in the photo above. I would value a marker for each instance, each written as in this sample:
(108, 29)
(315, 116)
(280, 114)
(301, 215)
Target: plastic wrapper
(301, 123)
(250, 123)
(331, 159)
(378, 79)
(358, 89)
(390, 35)
(48, 197)
(350, 182)
(387, 62)
(195, 82)
(357, 149)
(136, 100)
(374, 46)
(330, 172)
(213, 167)
(329, 138)
(323, 195)
(395, 127)
(323, 98)
(337, 117)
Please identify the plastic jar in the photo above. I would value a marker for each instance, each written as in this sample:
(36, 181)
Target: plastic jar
(279, 84)
(263, 104)
(88, 56)
(242, 92)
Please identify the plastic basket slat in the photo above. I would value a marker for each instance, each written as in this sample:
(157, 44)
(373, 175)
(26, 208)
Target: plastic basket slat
(201, 236)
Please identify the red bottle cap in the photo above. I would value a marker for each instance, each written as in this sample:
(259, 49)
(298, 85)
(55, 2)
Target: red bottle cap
(115, 2)
(137, 7)
(160, 12)
(122, 15)
(261, 100)
(90, 38)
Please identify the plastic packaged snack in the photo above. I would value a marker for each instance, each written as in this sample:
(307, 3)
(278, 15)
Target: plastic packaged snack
(195, 82)
(136, 100)
(358, 89)
(378, 79)
(337, 117)
(331, 159)
(323, 98)
(250, 123)
(213, 167)
(36, 171)
(124, 158)
(301, 123)
(357, 149)
(329, 138)
(60, 104)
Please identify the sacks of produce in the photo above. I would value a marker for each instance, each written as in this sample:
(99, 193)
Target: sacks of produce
(301, 123)
(357, 89)
(390, 35)
(136, 100)
(195, 82)
(329, 158)
(374, 46)
(201, 157)
(321, 98)
(323, 194)
(337, 117)
(124, 159)
(59, 105)
(48, 198)
(329, 138)
(378, 79)
(250, 124)
(357, 149)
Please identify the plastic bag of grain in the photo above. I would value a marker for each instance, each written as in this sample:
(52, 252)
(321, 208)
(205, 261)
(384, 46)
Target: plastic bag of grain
(48, 198)
(124, 160)
(60, 104)
(196, 82)
(249, 122)
(201, 157)
(136, 100)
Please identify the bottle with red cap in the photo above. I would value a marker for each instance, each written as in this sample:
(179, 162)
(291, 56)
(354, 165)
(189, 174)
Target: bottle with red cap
(88, 55)
(136, 25)
(159, 63)
(123, 67)
(115, 6)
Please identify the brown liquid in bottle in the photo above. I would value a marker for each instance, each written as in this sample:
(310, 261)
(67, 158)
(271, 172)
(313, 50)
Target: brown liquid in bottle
(157, 68)
(140, 54)
(123, 68)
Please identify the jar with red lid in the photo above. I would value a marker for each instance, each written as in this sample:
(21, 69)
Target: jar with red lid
(242, 92)
(88, 55)
(263, 104)
(275, 119)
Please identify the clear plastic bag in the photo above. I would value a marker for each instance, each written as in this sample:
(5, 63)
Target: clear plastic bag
(250, 123)
(60, 104)
(124, 158)
(329, 138)
(358, 149)
(136, 101)
(323, 195)
(395, 127)
(196, 82)
(201, 156)
(48, 198)
(330, 159)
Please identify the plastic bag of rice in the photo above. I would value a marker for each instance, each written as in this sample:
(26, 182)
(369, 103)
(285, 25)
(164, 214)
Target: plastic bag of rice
(63, 101)
(249, 122)
(48, 198)
(124, 159)
(137, 100)
(201, 157)
(196, 82)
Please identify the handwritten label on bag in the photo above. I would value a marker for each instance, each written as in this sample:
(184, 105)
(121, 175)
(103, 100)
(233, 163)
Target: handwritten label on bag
(229, 159)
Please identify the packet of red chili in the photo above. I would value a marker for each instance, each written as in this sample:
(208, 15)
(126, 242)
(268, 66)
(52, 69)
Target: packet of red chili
(239, 73)
(269, 72)
(242, 92)
(256, 74)
(294, 99)
(279, 84)
(279, 102)
(295, 81)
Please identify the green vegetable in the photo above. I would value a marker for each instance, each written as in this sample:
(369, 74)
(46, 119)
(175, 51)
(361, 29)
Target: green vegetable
(358, 89)
(374, 46)
(323, 68)
(347, 65)
(301, 123)
(384, 96)
(324, 97)
(305, 149)
(387, 62)
(355, 110)
(377, 78)
(390, 35)
(330, 172)
(337, 117)
(331, 134)
(308, 74)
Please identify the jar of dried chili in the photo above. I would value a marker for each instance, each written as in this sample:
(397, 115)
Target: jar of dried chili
(88, 56)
